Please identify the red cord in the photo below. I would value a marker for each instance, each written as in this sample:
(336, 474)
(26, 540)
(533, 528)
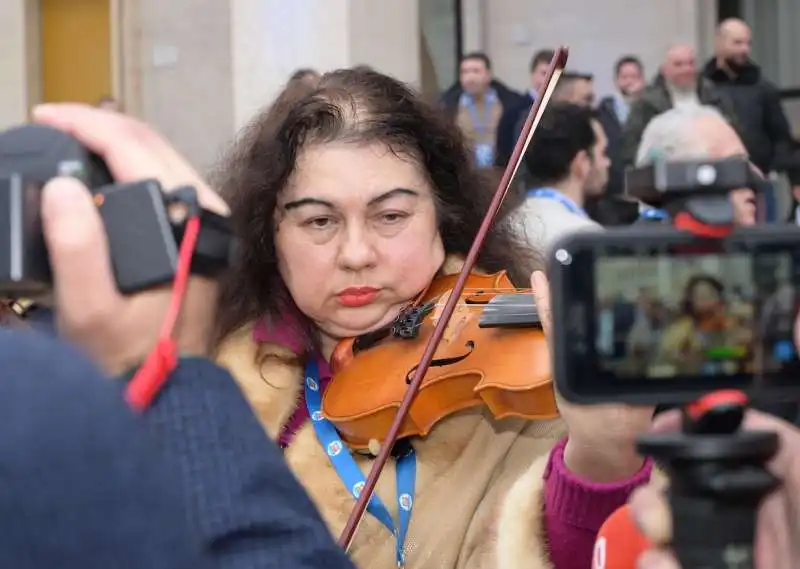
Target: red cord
(163, 359)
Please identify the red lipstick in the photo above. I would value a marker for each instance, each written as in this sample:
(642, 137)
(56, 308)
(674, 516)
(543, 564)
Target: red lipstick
(357, 296)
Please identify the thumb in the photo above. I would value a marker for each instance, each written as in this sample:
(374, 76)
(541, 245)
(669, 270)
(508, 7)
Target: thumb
(83, 279)
(541, 296)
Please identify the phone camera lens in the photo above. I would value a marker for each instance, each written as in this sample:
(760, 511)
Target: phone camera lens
(563, 257)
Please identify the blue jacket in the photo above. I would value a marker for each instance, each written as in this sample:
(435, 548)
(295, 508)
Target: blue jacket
(193, 483)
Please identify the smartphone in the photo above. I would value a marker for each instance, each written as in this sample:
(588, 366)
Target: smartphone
(651, 315)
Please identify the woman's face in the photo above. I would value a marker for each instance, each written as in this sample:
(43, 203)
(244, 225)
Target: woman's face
(705, 298)
(356, 237)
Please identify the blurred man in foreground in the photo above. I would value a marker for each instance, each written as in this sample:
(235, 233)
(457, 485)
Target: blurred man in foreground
(697, 132)
(567, 163)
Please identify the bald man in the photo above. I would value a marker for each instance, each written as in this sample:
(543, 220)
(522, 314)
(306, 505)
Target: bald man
(762, 122)
(677, 85)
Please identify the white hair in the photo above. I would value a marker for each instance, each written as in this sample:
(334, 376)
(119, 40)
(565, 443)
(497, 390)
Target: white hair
(673, 136)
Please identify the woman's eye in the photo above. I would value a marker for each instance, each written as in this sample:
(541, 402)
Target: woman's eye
(393, 217)
(320, 222)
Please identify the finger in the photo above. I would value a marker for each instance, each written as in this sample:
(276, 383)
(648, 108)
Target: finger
(773, 534)
(651, 514)
(789, 436)
(666, 422)
(657, 559)
(110, 135)
(84, 284)
(132, 150)
(541, 296)
(788, 445)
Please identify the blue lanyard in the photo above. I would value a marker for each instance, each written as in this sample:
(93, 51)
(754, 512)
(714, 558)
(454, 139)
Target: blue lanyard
(351, 475)
(653, 214)
(481, 127)
(549, 194)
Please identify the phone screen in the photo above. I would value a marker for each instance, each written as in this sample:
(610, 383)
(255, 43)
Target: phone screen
(678, 315)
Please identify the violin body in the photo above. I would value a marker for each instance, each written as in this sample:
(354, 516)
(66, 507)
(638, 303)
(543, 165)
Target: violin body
(492, 354)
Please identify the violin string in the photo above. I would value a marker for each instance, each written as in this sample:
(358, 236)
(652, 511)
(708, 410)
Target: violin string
(495, 290)
(528, 310)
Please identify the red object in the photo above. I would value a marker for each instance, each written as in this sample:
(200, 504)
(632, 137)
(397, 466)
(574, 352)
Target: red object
(619, 542)
(686, 222)
(716, 400)
(163, 359)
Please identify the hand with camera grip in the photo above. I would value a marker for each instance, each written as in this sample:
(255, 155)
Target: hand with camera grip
(778, 527)
(602, 438)
(117, 331)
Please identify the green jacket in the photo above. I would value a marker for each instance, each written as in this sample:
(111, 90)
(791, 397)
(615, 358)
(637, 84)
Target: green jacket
(655, 100)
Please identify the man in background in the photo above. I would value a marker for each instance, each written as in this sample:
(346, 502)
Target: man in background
(566, 162)
(476, 105)
(697, 133)
(613, 113)
(507, 132)
(762, 123)
(575, 88)
(678, 84)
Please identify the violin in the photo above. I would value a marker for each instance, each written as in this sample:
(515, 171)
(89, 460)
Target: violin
(480, 363)
(493, 354)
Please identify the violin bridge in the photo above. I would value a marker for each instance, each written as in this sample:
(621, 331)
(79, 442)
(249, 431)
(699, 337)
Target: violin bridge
(510, 311)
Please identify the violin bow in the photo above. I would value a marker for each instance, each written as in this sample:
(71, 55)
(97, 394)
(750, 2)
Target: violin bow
(557, 65)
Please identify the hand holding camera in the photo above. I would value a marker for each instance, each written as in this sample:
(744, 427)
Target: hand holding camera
(117, 331)
(601, 445)
(776, 546)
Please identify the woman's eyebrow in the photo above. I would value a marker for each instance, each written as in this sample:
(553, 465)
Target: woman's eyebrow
(306, 201)
(294, 204)
(392, 193)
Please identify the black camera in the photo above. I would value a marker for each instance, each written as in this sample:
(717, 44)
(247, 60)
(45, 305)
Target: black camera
(657, 315)
(144, 225)
(692, 311)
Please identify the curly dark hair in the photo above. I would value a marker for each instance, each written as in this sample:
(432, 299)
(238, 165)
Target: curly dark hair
(687, 304)
(360, 106)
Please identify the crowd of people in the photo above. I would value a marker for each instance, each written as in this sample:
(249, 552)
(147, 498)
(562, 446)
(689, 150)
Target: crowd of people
(491, 114)
(349, 196)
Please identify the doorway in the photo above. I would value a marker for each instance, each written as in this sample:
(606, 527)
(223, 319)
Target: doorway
(76, 50)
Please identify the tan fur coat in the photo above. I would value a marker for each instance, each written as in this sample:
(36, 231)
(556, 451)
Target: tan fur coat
(478, 502)
(479, 481)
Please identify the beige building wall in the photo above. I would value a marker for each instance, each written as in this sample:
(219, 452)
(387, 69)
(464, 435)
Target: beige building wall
(273, 38)
(18, 52)
(597, 33)
(199, 69)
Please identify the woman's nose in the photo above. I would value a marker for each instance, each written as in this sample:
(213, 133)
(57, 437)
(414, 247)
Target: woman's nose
(357, 251)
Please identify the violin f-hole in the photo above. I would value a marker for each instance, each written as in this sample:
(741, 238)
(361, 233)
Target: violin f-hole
(470, 346)
(475, 298)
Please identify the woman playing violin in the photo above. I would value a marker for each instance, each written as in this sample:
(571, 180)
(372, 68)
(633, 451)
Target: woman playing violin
(351, 198)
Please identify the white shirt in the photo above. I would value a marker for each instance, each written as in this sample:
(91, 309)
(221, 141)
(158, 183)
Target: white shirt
(544, 221)
(683, 99)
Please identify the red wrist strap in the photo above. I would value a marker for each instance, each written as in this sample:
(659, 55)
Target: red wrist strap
(163, 359)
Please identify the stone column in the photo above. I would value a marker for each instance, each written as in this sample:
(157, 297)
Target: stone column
(273, 38)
